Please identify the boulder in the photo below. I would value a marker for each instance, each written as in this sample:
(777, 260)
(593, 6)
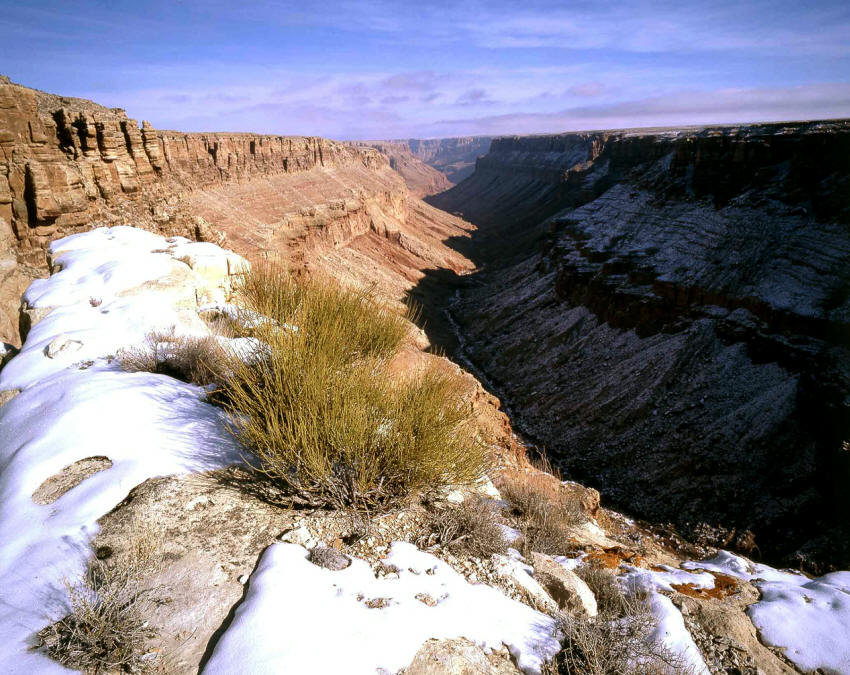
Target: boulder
(63, 345)
(564, 586)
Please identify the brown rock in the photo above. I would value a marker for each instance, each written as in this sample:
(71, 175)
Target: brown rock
(456, 657)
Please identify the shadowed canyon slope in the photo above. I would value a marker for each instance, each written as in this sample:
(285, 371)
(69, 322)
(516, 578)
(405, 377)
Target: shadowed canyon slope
(668, 312)
(68, 165)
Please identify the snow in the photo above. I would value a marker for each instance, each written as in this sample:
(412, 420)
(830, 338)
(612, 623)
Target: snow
(662, 579)
(79, 404)
(809, 619)
(671, 632)
(111, 290)
(297, 617)
(741, 568)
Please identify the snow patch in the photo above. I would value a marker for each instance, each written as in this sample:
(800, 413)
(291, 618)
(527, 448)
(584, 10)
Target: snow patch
(109, 293)
(808, 618)
(298, 617)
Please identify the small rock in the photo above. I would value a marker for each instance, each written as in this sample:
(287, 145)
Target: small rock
(243, 579)
(7, 353)
(329, 558)
(299, 535)
(7, 395)
(455, 657)
(515, 571)
(60, 344)
(201, 501)
(455, 497)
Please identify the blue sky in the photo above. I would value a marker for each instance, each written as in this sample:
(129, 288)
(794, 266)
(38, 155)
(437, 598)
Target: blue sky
(381, 69)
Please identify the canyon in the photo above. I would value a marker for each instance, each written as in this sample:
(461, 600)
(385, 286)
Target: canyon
(69, 165)
(453, 158)
(666, 312)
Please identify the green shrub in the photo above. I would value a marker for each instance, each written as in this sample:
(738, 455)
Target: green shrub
(318, 412)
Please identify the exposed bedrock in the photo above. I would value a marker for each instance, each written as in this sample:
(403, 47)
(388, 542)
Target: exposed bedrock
(668, 312)
(422, 179)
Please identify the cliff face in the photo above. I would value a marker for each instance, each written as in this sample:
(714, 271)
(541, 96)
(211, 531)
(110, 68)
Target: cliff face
(69, 165)
(669, 314)
(455, 157)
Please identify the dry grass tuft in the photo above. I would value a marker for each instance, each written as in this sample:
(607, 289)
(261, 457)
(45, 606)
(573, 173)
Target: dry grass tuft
(470, 527)
(318, 412)
(615, 643)
(345, 323)
(192, 359)
(545, 514)
(106, 629)
(603, 583)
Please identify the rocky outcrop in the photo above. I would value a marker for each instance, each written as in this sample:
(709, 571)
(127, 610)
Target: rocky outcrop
(668, 313)
(67, 166)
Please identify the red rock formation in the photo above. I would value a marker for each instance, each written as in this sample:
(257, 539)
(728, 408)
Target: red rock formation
(68, 165)
(66, 168)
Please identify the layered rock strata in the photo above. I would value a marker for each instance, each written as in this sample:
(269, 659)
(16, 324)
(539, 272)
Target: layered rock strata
(669, 314)
(455, 157)
(67, 165)
(422, 179)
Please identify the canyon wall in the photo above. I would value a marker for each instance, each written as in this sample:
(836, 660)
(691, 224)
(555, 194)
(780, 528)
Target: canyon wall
(668, 313)
(69, 165)
(422, 180)
(453, 157)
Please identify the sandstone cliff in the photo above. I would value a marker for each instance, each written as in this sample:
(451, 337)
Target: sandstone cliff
(669, 313)
(68, 165)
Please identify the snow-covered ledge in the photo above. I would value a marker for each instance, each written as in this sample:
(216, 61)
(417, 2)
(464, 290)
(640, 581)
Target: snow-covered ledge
(110, 288)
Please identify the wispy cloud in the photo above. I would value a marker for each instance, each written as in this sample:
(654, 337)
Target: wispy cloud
(380, 68)
(823, 101)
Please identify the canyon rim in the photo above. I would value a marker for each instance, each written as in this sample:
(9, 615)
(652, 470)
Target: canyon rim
(435, 339)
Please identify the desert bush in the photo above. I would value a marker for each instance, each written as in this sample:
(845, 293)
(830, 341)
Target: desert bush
(318, 413)
(106, 629)
(545, 516)
(603, 583)
(344, 323)
(471, 527)
(198, 360)
(616, 644)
